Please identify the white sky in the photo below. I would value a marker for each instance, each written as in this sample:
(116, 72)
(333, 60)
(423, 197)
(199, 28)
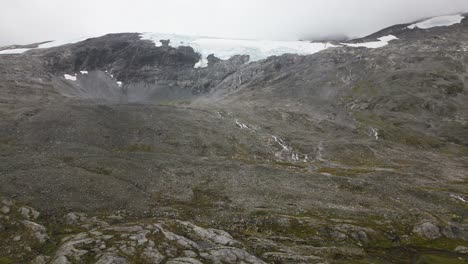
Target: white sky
(27, 21)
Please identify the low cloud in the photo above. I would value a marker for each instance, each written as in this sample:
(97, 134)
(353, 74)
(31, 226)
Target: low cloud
(28, 21)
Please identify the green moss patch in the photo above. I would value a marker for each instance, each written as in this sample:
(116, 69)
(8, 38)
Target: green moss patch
(5, 260)
(440, 259)
(389, 130)
(345, 172)
(138, 148)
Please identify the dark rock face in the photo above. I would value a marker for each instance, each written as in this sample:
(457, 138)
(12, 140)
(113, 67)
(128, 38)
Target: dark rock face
(350, 154)
(150, 73)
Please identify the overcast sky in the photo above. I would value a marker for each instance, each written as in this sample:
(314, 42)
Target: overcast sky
(28, 21)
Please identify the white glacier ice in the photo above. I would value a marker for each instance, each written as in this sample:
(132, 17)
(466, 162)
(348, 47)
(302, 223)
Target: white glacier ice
(226, 48)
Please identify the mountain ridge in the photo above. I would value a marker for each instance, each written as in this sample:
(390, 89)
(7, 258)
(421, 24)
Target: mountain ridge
(117, 150)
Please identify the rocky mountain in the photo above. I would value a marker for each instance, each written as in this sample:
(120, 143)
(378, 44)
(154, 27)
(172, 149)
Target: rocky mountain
(147, 148)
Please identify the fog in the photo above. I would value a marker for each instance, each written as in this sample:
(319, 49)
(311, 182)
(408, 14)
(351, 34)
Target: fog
(28, 21)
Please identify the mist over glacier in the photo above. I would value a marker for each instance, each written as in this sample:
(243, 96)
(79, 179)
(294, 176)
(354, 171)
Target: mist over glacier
(27, 21)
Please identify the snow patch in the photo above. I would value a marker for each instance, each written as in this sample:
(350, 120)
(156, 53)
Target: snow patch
(295, 157)
(13, 51)
(375, 133)
(50, 44)
(70, 77)
(287, 152)
(244, 126)
(441, 21)
(281, 143)
(84, 72)
(202, 63)
(459, 197)
(119, 84)
(225, 49)
(239, 124)
(383, 41)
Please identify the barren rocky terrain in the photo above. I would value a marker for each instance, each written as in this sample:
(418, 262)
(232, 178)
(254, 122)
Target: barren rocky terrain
(349, 155)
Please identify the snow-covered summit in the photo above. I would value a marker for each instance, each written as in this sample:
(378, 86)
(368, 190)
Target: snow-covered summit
(440, 21)
(46, 45)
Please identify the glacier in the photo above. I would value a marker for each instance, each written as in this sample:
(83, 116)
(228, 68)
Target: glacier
(225, 49)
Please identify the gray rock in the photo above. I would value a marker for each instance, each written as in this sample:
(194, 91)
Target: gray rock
(231, 255)
(217, 236)
(73, 218)
(61, 260)
(82, 220)
(70, 248)
(152, 255)
(128, 249)
(140, 237)
(428, 230)
(29, 213)
(110, 258)
(5, 210)
(360, 236)
(338, 236)
(39, 231)
(279, 257)
(461, 250)
(182, 241)
(40, 260)
(183, 261)
(7, 202)
(190, 254)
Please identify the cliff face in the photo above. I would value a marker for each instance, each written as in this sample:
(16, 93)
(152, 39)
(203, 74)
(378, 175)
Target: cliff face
(349, 154)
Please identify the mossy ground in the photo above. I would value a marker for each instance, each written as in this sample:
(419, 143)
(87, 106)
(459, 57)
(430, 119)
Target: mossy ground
(138, 148)
(397, 132)
(5, 260)
(346, 172)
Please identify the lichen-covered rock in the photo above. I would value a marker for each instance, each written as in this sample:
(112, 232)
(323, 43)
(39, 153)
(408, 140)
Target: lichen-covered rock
(109, 258)
(40, 260)
(39, 231)
(216, 236)
(461, 249)
(285, 258)
(82, 220)
(5, 210)
(71, 248)
(183, 261)
(180, 240)
(230, 255)
(428, 230)
(29, 213)
(152, 255)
